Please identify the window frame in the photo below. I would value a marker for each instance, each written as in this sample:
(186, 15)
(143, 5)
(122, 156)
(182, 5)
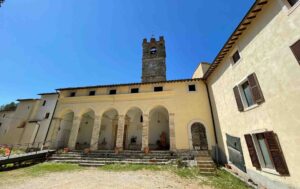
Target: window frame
(243, 97)
(233, 54)
(192, 90)
(47, 115)
(92, 93)
(44, 103)
(134, 88)
(155, 87)
(110, 91)
(72, 94)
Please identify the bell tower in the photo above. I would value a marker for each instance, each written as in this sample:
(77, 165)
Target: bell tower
(154, 60)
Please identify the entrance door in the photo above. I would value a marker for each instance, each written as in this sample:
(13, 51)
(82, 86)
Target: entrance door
(199, 139)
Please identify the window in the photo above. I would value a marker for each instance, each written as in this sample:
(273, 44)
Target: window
(265, 152)
(292, 2)
(158, 89)
(44, 103)
(92, 93)
(47, 115)
(112, 91)
(236, 57)
(153, 50)
(192, 88)
(72, 94)
(248, 93)
(0, 124)
(135, 90)
(141, 119)
(296, 50)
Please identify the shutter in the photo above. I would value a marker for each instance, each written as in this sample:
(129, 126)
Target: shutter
(276, 153)
(238, 98)
(255, 89)
(252, 152)
(296, 50)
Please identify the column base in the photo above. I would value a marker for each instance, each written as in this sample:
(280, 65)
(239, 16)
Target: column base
(118, 150)
(146, 150)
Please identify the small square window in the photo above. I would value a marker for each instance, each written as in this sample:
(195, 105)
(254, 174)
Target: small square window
(72, 94)
(135, 90)
(0, 124)
(236, 57)
(44, 102)
(192, 88)
(247, 94)
(292, 2)
(158, 89)
(112, 91)
(92, 93)
(47, 115)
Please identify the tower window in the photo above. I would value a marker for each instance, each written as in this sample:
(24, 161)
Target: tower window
(135, 90)
(92, 93)
(112, 91)
(192, 88)
(44, 103)
(72, 94)
(158, 89)
(153, 50)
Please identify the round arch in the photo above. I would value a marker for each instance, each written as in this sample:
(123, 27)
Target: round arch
(159, 130)
(197, 135)
(85, 129)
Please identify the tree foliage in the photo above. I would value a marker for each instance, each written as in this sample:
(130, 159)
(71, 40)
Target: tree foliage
(8, 107)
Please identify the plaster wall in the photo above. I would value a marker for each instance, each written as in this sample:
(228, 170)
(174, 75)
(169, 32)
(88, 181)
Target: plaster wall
(265, 49)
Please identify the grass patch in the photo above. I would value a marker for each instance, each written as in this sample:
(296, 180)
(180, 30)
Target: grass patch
(20, 174)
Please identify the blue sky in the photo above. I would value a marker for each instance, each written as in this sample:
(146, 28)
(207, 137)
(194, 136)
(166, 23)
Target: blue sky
(49, 44)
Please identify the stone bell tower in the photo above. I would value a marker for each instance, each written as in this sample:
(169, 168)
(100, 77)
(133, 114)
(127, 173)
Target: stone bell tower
(154, 60)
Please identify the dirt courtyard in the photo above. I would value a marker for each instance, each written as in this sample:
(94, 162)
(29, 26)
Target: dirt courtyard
(93, 178)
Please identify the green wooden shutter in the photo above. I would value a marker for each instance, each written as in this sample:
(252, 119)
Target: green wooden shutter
(252, 151)
(276, 153)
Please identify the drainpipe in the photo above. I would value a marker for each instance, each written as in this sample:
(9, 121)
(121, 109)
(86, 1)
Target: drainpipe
(51, 120)
(213, 122)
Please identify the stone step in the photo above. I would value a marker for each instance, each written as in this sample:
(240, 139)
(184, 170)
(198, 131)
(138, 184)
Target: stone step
(111, 159)
(207, 169)
(110, 162)
(206, 165)
(91, 164)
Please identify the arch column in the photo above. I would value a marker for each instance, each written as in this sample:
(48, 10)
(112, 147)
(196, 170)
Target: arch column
(172, 132)
(145, 133)
(74, 132)
(96, 133)
(55, 129)
(120, 132)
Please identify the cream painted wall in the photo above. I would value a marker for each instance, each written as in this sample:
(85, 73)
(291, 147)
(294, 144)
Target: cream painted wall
(265, 50)
(187, 106)
(5, 119)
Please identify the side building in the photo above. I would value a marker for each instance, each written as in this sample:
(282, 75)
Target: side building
(29, 123)
(254, 88)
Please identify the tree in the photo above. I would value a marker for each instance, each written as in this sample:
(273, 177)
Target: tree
(8, 107)
(1, 1)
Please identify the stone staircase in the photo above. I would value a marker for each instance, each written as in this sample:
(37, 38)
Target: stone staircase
(205, 163)
(100, 158)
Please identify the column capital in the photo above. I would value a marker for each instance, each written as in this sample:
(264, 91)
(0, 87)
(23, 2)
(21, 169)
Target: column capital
(171, 114)
(77, 118)
(98, 117)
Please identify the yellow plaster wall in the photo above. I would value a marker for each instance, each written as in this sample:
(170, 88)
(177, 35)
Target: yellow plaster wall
(187, 106)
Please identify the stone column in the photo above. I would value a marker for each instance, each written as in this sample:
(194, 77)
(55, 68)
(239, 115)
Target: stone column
(172, 132)
(120, 133)
(54, 131)
(145, 133)
(74, 132)
(96, 133)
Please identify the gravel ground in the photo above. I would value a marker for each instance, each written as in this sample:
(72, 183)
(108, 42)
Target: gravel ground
(93, 178)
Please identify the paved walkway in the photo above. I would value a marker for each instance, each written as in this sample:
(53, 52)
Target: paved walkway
(92, 178)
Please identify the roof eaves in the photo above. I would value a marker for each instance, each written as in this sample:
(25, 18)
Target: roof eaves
(246, 21)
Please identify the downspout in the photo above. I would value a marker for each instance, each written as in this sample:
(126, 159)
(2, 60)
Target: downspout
(213, 121)
(51, 119)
